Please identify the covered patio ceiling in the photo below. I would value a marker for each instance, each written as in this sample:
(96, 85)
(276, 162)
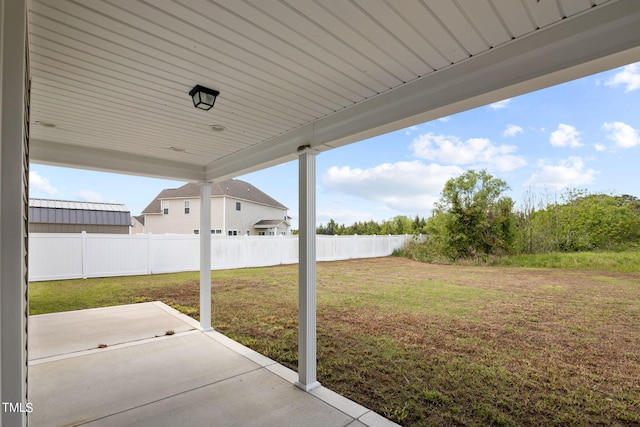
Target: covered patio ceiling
(110, 78)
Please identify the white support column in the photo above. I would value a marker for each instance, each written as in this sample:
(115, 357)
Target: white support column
(13, 212)
(307, 271)
(205, 256)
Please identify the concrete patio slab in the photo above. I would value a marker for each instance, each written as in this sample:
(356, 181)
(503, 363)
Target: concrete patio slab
(226, 404)
(146, 378)
(71, 331)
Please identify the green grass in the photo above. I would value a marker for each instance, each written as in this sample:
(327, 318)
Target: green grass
(620, 261)
(423, 344)
(65, 295)
(626, 262)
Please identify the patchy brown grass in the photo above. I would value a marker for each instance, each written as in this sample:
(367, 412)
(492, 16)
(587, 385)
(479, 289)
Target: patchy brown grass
(450, 345)
(447, 345)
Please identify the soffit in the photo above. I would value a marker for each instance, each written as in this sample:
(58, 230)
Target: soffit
(114, 76)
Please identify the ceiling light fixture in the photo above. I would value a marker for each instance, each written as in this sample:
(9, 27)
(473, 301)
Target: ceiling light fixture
(203, 98)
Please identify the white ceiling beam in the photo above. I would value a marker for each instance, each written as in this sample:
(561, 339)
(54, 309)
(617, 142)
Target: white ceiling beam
(585, 44)
(74, 156)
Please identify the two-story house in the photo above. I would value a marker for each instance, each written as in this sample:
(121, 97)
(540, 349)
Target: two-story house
(237, 208)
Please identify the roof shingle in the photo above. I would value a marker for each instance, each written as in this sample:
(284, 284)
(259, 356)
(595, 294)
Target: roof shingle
(232, 188)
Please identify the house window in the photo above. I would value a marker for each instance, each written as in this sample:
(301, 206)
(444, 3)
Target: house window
(216, 231)
(165, 207)
(196, 231)
(186, 207)
(238, 206)
(233, 232)
(261, 233)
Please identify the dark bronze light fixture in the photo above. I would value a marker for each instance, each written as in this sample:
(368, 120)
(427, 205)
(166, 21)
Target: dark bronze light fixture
(203, 97)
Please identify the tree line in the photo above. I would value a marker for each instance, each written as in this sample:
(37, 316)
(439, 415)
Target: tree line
(398, 225)
(474, 217)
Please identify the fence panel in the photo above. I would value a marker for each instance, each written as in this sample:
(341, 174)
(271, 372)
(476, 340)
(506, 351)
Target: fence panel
(289, 254)
(326, 248)
(262, 252)
(228, 252)
(115, 255)
(174, 253)
(55, 256)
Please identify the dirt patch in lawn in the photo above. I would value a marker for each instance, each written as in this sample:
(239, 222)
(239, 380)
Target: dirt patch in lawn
(450, 345)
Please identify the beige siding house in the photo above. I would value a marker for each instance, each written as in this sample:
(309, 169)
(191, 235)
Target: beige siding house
(137, 224)
(237, 208)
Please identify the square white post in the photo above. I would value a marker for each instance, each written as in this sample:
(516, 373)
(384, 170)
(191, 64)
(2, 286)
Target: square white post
(13, 212)
(307, 270)
(205, 256)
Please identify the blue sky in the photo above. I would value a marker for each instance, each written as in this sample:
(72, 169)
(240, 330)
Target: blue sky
(581, 134)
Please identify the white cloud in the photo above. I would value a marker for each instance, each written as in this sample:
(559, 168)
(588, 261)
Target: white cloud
(628, 77)
(500, 104)
(622, 134)
(600, 147)
(410, 130)
(39, 184)
(478, 152)
(90, 196)
(569, 172)
(402, 186)
(565, 136)
(512, 130)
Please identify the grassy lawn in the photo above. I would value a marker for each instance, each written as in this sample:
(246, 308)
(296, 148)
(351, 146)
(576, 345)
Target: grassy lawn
(624, 261)
(427, 344)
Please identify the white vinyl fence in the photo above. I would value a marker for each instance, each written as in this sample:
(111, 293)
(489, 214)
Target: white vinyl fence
(56, 256)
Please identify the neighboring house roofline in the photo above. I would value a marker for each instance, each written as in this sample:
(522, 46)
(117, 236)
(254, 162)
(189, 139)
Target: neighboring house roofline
(234, 188)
